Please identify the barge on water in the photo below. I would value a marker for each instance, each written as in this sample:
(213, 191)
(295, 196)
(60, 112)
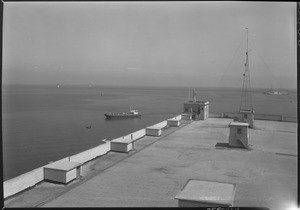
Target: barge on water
(123, 115)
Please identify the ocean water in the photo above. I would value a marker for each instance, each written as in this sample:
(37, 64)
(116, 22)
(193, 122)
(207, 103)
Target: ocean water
(45, 123)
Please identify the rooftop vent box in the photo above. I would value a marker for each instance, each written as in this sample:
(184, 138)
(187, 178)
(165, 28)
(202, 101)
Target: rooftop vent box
(198, 193)
(122, 145)
(153, 131)
(62, 172)
(186, 116)
(173, 123)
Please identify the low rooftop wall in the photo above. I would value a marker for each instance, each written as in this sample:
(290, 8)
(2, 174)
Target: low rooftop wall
(90, 154)
(135, 135)
(257, 116)
(31, 178)
(160, 125)
(24, 181)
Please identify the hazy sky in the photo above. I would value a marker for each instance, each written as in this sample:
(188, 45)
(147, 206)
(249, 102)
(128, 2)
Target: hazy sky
(149, 43)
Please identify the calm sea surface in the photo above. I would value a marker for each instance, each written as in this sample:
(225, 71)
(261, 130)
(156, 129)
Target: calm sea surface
(46, 123)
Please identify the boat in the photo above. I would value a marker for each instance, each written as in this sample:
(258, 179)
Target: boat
(275, 92)
(123, 115)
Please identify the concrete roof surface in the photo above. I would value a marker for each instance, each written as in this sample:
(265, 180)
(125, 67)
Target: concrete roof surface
(159, 168)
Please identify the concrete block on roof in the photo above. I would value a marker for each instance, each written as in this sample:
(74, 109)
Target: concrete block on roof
(197, 193)
(62, 172)
(153, 131)
(173, 123)
(122, 145)
(186, 116)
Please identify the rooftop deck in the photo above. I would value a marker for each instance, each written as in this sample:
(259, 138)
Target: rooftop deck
(159, 167)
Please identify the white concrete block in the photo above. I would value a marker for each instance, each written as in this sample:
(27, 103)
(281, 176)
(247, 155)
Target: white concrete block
(62, 172)
(153, 131)
(122, 145)
(198, 193)
(186, 116)
(173, 122)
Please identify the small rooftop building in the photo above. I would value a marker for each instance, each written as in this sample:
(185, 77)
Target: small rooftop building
(238, 135)
(198, 109)
(186, 116)
(153, 131)
(122, 145)
(62, 172)
(246, 116)
(198, 193)
(173, 122)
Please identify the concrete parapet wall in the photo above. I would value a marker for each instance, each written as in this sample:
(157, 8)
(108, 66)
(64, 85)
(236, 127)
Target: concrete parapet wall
(257, 116)
(135, 135)
(268, 117)
(126, 137)
(178, 117)
(139, 134)
(90, 154)
(228, 115)
(24, 181)
(290, 119)
(161, 124)
(120, 138)
(216, 115)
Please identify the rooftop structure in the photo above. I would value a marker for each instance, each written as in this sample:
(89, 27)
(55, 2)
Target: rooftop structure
(62, 172)
(198, 109)
(238, 135)
(122, 145)
(197, 193)
(157, 170)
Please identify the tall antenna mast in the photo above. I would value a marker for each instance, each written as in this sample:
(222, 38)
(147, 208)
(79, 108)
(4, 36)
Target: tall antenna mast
(246, 98)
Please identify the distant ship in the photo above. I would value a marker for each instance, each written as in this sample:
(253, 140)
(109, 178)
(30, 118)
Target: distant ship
(123, 115)
(275, 92)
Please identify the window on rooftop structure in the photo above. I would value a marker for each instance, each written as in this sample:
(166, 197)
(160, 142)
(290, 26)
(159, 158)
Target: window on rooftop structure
(239, 130)
(245, 116)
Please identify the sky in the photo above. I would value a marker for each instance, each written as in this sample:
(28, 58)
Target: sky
(177, 44)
